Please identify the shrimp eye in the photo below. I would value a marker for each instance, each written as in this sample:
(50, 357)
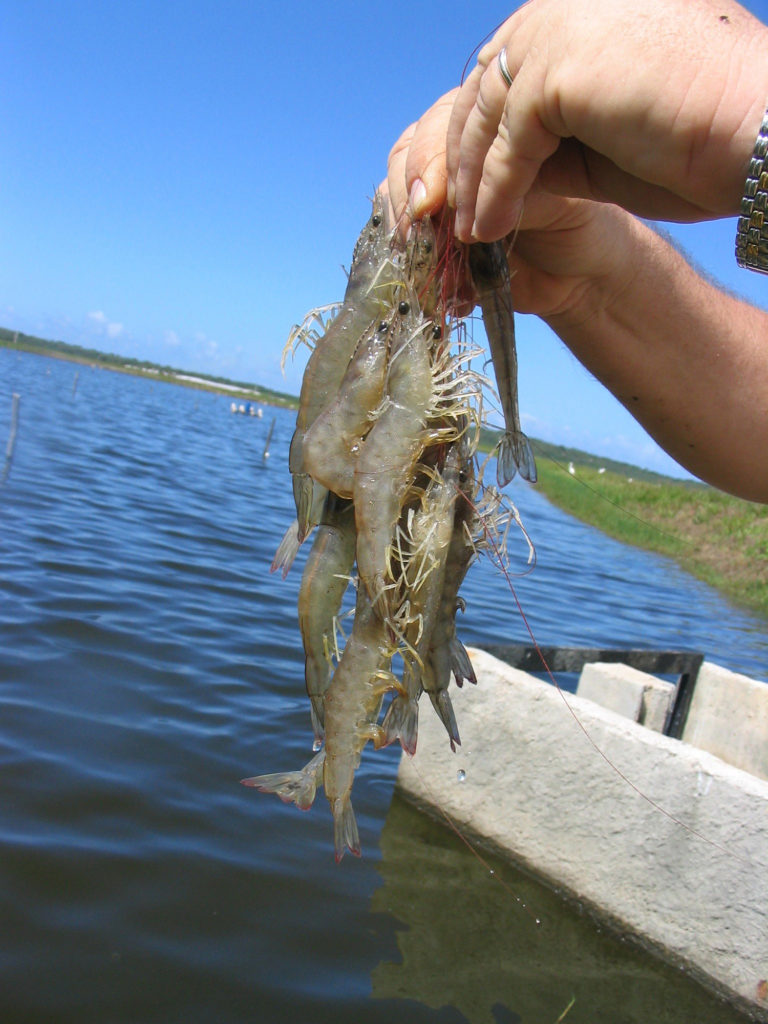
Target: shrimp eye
(383, 326)
(376, 219)
(427, 246)
(437, 332)
(404, 307)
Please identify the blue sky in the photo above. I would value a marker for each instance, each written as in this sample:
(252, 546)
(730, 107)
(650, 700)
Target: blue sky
(182, 181)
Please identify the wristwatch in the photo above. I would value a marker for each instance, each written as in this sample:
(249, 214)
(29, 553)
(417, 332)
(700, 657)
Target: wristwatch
(752, 225)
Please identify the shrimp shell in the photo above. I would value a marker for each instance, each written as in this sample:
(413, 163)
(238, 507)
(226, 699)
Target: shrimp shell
(490, 275)
(333, 440)
(389, 454)
(352, 705)
(323, 584)
(371, 273)
(424, 575)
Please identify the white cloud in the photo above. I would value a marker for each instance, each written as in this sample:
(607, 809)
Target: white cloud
(111, 328)
(172, 339)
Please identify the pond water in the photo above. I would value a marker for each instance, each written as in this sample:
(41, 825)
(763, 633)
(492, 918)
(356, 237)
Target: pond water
(148, 661)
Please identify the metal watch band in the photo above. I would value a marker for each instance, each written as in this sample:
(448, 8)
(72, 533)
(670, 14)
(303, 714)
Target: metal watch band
(752, 225)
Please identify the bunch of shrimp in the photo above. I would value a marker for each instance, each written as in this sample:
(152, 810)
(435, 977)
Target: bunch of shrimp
(384, 474)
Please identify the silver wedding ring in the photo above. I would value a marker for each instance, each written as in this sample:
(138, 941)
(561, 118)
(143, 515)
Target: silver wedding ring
(503, 68)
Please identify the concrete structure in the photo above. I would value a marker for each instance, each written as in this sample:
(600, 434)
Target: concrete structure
(660, 839)
(729, 717)
(615, 686)
(637, 695)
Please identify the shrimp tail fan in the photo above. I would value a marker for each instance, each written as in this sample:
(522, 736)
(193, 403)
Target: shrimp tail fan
(515, 455)
(345, 835)
(292, 787)
(460, 663)
(287, 549)
(310, 499)
(401, 722)
(442, 704)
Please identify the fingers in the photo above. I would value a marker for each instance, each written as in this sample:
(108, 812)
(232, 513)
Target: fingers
(416, 169)
(425, 170)
(511, 162)
(475, 124)
(497, 141)
(465, 101)
(396, 185)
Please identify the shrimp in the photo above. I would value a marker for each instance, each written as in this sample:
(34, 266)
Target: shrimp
(322, 588)
(332, 442)
(370, 273)
(389, 418)
(490, 276)
(352, 705)
(388, 456)
(431, 529)
(421, 265)
(446, 654)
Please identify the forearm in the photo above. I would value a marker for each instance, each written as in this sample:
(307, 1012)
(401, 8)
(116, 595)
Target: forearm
(688, 361)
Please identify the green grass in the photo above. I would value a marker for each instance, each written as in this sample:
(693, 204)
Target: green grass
(716, 537)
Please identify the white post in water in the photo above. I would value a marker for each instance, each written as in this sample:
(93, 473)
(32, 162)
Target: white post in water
(11, 438)
(269, 438)
(14, 428)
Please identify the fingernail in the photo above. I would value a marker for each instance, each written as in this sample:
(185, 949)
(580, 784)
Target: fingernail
(460, 227)
(451, 194)
(417, 199)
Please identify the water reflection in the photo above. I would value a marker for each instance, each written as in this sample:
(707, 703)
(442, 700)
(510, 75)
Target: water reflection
(471, 943)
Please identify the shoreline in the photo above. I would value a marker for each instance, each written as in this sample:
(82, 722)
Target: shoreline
(719, 539)
(166, 375)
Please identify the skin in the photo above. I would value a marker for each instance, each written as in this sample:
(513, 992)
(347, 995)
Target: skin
(592, 135)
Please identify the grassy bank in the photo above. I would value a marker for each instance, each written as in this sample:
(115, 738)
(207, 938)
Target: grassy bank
(720, 539)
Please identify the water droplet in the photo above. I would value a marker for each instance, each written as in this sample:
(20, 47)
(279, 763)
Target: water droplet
(316, 745)
(461, 775)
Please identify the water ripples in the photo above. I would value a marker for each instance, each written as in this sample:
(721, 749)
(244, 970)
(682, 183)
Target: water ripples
(149, 660)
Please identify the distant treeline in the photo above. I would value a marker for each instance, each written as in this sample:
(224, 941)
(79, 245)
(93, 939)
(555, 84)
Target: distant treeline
(78, 353)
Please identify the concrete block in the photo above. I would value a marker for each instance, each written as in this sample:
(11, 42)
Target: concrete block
(635, 695)
(658, 697)
(659, 838)
(729, 718)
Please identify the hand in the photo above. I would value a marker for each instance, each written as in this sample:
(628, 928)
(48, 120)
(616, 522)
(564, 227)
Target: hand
(568, 253)
(655, 107)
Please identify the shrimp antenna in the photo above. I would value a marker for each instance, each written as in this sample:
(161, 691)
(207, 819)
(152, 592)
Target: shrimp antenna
(477, 49)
